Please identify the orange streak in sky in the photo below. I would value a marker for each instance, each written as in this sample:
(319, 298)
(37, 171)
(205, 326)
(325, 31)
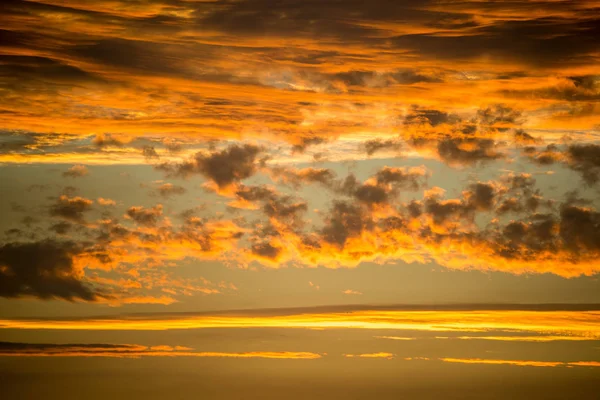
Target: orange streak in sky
(585, 324)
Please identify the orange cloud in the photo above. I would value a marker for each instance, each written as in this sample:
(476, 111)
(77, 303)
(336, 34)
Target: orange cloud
(136, 351)
(522, 363)
(579, 323)
(387, 356)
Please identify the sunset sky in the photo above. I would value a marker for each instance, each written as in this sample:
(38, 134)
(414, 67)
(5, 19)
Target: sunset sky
(304, 187)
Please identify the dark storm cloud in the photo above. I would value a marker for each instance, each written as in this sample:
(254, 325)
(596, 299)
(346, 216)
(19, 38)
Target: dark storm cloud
(41, 269)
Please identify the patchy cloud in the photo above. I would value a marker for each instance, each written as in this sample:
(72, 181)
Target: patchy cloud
(76, 171)
(225, 167)
(145, 216)
(42, 269)
(71, 208)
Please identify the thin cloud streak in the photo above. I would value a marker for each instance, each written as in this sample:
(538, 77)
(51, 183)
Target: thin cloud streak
(522, 363)
(582, 324)
(8, 349)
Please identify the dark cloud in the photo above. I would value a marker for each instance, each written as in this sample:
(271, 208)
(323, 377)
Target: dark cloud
(61, 228)
(71, 208)
(286, 210)
(375, 145)
(374, 79)
(523, 138)
(499, 117)
(418, 116)
(584, 88)
(41, 269)
(382, 187)
(443, 212)
(459, 141)
(230, 165)
(580, 229)
(533, 41)
(344, 220)
(371, 194)
(481, 196)
(402, 178)
(266, 250)
(547, 156)
(585, 159)
(305, 142)
(466, 151)
(54, 348)
(149, 153)
(145, 216)
(105, 140)
(12, 141)
(255, 193)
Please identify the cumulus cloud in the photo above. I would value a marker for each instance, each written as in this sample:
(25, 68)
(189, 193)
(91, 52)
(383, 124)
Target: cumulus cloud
(384, 185)
(71, 208)
(145, 216)
(42, 269)
(225, 167)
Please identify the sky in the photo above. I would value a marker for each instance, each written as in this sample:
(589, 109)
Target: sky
(328, 185)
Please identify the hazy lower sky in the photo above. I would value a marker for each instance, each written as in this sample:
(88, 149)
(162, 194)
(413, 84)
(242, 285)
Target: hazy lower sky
(174, 158)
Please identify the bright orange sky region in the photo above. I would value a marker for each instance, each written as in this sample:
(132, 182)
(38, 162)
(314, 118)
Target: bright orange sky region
(312, 189)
